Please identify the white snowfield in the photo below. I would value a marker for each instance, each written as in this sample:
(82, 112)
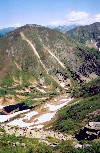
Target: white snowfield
(20, 123)
(44, 118)
(57, 107)
(4, 118)
(40, 118)
(30, 114)
(1, 107)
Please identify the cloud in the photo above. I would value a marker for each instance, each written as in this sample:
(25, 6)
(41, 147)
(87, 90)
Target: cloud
(17, 25)
(11, 25)
(58, 22)
(97, 17)
(77, 17)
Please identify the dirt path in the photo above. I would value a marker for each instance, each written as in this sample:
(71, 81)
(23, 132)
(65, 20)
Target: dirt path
(37, 55)
(61, 64)
(33, 48)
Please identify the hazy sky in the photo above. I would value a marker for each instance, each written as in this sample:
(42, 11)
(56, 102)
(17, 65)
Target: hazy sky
(48, 12)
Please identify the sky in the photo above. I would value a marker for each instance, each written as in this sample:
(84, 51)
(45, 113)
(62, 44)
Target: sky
(14, 13)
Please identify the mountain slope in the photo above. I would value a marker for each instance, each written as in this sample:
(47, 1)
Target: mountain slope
(88, 34)
(38, 66)
(33, 53)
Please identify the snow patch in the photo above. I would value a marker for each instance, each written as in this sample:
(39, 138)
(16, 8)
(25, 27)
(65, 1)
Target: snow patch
(57, 107)
(44, 118)
(62, 100)
(41, 90)
(38, 126)
(30, 114)
(1, 107)
(4, 118)
(20, 123)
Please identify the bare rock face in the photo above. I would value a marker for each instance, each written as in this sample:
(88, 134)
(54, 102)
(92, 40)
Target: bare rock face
(89, 132)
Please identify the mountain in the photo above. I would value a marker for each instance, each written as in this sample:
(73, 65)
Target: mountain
(40, 53)
(63, 28)
(51, 82)
(46, 54)
(88, 35)
(4, 31)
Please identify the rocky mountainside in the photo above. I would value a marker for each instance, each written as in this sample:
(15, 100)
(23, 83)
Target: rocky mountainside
(88, 34)
(35, 54)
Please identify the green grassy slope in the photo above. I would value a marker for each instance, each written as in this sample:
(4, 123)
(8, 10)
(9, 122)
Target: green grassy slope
(31, 145)
(84, 34)
(82, 110)
(61, 60)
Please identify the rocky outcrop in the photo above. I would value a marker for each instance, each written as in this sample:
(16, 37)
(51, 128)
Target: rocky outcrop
(90, 132)
(34, 133)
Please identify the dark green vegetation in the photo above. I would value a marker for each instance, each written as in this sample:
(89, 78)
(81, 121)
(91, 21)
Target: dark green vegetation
(24, 145)
(72, 118)
(87, 89)
(14, 144)
(84, 34)
(82, 110)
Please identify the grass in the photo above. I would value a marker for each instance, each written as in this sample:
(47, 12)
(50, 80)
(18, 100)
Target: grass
(88, 89)
(6, 91)
(28, 102)
(71, 118)
(10, 143)
(52, 140)
(31, 145)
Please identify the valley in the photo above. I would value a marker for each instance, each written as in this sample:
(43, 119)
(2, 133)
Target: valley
(37, 118)
(49, 91)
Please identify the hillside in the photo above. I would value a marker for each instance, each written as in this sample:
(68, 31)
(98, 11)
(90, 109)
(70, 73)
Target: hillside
(88, 35)
(36, 61)
(27, 49)
(86, 102)
(49, 89)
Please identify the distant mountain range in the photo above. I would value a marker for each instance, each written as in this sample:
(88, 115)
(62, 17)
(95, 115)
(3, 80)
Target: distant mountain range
(87, 34)
(63, 28)
(4, 31)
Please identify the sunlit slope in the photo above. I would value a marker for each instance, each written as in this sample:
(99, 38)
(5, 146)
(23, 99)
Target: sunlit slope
(34, 53)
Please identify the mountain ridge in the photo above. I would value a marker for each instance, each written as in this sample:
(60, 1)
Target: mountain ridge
(88, 35)
(63, 28)
(45, 45)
